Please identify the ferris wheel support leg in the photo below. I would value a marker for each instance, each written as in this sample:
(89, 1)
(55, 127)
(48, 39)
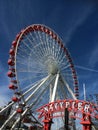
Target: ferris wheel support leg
(5, 108)
(28, 98)
(69, 89)
(26, 110)
(55, 88)
(8, 120)
(93, 127)
(51, 90)
(32, 88)
(14, 125)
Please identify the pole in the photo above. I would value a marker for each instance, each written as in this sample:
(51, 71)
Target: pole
(84, 92)
(66, 119)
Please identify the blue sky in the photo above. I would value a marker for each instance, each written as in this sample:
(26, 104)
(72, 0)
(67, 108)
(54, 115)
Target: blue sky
(76, 22)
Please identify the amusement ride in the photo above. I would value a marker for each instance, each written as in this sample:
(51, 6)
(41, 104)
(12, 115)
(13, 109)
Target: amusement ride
(45, 85)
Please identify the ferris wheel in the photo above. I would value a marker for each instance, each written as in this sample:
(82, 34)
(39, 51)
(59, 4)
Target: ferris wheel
(41, 71)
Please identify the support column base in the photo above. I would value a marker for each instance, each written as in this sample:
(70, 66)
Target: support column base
(86, 125)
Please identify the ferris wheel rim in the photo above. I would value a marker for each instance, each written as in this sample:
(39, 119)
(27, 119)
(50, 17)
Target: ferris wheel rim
(47, 30)
(55, 70)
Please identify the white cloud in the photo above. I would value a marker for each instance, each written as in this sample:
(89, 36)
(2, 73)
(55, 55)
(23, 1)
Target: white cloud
(78, 20)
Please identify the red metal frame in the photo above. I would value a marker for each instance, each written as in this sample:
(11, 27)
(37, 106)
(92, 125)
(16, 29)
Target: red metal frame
(86, 122)
(47, 123)
(86, 109)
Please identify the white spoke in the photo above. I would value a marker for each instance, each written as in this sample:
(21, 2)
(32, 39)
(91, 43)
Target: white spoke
(32, 87)
(27, 109)
(6, 108)
(55, 88)
(68, 88)
(14, 125)
(8, 120)
(30, 96)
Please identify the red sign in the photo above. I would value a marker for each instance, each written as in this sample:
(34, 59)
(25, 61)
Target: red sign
(73, 106)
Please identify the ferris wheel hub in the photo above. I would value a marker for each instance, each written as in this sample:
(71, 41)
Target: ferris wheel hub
(52, 66)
